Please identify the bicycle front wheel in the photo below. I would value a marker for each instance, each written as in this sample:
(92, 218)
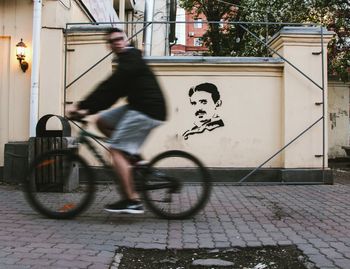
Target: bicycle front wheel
(52, 187)
(177, 185)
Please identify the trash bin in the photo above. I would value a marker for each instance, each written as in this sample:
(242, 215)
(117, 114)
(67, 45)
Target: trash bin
(47, 140)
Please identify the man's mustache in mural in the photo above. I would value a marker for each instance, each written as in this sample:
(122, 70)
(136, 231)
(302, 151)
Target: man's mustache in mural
(206, 98)
(200, 112)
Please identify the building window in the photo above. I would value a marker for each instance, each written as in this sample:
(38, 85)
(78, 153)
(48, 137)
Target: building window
(198, 23)
(197, 42)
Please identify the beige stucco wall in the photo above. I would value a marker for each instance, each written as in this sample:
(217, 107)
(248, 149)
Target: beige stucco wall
(300, 95)
(16, 23)
(160, 31)
(86, 49)
(54, 19)
(339, 122)
(159, 44)
(251, 111)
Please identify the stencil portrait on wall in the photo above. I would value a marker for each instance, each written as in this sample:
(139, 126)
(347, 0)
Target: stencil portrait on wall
(205, 101)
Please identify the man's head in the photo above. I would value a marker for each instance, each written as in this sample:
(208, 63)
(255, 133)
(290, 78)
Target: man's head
(205, 99)
(117, 39)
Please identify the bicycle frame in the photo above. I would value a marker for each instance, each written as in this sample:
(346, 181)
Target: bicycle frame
(83, 139)
(138, 171)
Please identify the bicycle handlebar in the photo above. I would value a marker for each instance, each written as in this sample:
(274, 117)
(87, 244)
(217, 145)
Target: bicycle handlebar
(84, 122)
(77, 118)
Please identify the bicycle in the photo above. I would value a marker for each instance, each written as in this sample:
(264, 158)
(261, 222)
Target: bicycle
(173, 185)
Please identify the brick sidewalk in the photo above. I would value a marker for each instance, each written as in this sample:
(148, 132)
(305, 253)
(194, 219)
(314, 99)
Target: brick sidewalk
(316, 218)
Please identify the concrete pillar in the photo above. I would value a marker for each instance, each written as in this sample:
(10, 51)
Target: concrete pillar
(302, 100)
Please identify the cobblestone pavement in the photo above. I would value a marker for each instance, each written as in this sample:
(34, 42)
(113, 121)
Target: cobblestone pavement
(316, 218)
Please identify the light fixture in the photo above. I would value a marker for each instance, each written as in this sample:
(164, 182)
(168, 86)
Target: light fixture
(21, 55)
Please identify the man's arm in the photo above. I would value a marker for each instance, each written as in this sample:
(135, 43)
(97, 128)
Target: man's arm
(74, 113)
(104, 96)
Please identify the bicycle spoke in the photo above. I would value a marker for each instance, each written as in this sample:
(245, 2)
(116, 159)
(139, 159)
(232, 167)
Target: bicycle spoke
(53, 187)
(177, 187)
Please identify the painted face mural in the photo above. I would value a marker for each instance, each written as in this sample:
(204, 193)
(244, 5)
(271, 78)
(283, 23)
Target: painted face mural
(205, 100)
(204, 107)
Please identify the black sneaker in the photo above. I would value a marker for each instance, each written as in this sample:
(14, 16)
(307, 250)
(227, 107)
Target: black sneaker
(126, 206)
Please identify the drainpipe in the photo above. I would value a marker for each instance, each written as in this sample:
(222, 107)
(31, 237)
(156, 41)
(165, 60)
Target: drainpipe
(149, 9)
(167, 27)
(122, 13)
(34, 92)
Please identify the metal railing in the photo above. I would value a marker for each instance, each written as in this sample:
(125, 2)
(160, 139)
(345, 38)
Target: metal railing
(72, 28)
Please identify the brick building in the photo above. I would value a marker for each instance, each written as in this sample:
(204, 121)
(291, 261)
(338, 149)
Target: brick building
(190, 34)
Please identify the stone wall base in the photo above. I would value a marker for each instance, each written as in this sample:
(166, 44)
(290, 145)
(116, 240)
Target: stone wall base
(233, 175)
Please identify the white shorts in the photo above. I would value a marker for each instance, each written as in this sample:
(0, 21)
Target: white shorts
(131, 128)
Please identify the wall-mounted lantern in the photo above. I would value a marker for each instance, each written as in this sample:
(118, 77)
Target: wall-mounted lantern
(21, 55)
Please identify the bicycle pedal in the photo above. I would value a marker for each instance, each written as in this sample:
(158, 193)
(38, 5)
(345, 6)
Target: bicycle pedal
(138, 187)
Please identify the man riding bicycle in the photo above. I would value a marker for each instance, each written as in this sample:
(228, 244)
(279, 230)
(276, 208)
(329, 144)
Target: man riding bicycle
(127, 126)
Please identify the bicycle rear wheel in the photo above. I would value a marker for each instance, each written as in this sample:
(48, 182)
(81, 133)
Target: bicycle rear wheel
(52, 187)
(177, 185)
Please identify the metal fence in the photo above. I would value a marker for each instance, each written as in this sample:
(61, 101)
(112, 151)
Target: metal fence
(102, 26)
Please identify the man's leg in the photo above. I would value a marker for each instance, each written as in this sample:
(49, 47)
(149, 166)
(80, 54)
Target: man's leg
(130, 131)
(104, 127)
(107, 120)
(131, 203)
(123, 168)
(121, 165)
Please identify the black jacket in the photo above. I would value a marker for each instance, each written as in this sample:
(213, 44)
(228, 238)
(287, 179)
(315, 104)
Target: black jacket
(132, 79)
